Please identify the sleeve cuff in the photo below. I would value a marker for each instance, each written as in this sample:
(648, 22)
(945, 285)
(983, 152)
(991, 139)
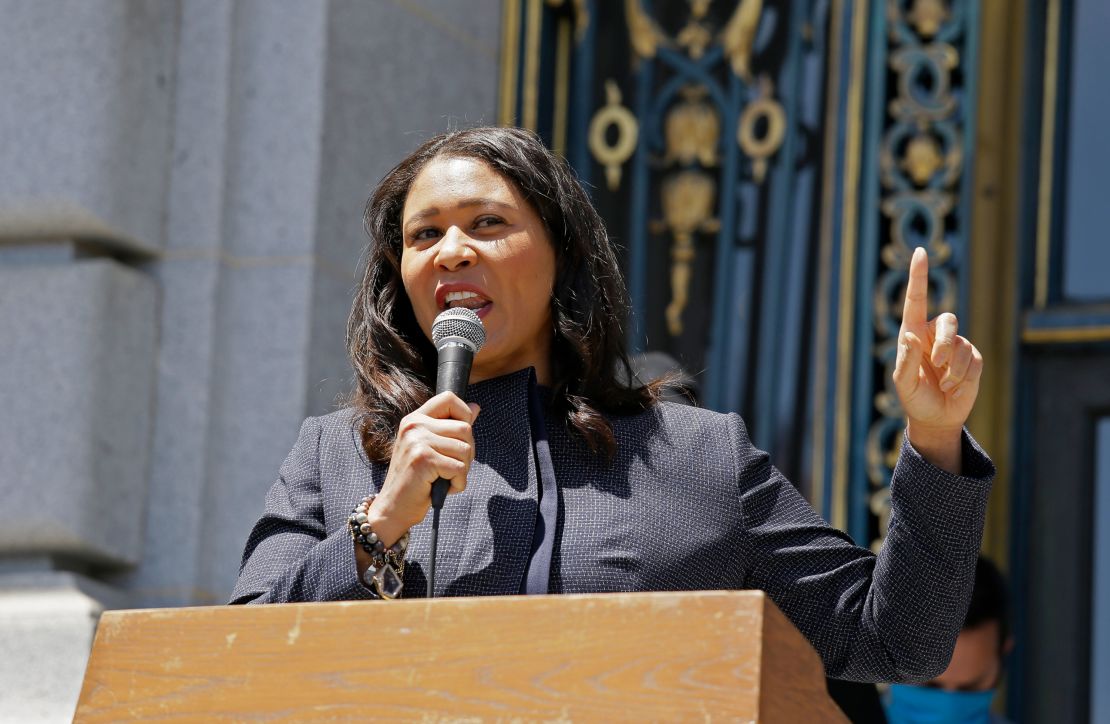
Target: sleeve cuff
(341, 581)
(936, 500)
(977, 465)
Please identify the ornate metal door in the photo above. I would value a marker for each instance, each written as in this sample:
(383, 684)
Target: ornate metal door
(767, 168)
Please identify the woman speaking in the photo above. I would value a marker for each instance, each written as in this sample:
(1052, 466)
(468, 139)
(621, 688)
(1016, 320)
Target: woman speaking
(566, 479)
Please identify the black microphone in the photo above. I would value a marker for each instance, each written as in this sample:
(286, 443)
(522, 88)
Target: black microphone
(458, 334)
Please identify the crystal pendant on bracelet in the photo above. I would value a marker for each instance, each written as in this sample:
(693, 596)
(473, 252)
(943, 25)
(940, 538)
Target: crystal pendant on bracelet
(388, 582)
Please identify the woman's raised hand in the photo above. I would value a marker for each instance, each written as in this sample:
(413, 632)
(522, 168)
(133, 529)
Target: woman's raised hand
(936, 373)
(435, 441)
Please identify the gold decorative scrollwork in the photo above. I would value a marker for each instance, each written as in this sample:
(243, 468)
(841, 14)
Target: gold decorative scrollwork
(939, 60)
(926, 208)
(611, 156)
(738, 37)
(923, 158)
(931, 157)
(921, 164)
(695, 36)
(692, 130)
(927, 16)
(760, 148)
(688, 198)
(643, 32)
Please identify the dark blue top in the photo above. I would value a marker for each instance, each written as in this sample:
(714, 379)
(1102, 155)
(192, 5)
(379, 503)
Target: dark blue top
(543, 537)
(686, 503)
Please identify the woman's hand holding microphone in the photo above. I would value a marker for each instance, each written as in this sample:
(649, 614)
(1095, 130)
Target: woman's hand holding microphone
(434, 441)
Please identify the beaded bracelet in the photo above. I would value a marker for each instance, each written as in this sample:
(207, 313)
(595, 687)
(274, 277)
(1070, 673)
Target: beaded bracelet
(387, 565)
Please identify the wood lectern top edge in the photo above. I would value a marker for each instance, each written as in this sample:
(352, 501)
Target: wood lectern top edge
(749, 597)
(653, 654)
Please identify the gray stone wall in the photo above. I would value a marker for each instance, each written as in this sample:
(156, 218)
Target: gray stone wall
(180, 228)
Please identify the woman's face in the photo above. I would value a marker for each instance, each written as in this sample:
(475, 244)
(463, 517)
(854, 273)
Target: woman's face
(470, 239)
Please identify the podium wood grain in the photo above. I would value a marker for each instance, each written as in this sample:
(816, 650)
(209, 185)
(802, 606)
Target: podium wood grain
(717, 655)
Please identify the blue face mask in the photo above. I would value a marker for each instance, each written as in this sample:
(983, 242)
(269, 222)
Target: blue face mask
(924, 705)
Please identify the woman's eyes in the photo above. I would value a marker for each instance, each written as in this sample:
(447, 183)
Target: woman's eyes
(486, 221)
(482, 222)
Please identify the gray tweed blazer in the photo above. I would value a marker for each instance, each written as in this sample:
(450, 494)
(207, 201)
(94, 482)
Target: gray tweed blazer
(688, 503)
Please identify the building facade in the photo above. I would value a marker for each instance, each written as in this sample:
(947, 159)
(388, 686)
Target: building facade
(180, 234)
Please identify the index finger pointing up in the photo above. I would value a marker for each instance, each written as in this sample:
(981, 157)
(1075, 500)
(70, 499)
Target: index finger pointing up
(915, 314)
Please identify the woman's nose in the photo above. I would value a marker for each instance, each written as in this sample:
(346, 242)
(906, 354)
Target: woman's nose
(455, 251)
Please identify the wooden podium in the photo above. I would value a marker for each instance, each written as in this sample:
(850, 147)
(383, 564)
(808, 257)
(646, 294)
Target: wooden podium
(636, 656)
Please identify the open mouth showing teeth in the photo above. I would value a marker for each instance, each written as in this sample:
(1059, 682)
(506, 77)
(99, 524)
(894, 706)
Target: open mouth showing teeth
(470, 300)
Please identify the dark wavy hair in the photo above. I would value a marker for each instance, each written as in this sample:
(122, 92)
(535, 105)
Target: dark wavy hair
(393, 360)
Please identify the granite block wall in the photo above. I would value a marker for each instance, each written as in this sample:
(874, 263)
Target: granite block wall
(180, 232)
(85, 127)
(75, 432)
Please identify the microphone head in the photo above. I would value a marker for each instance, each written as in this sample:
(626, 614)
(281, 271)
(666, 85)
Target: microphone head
(460, 324)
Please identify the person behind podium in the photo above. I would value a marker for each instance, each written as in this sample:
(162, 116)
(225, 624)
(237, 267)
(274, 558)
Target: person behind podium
(565, 480)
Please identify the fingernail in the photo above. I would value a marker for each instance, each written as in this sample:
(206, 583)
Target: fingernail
(947, 385)
(957, 393)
